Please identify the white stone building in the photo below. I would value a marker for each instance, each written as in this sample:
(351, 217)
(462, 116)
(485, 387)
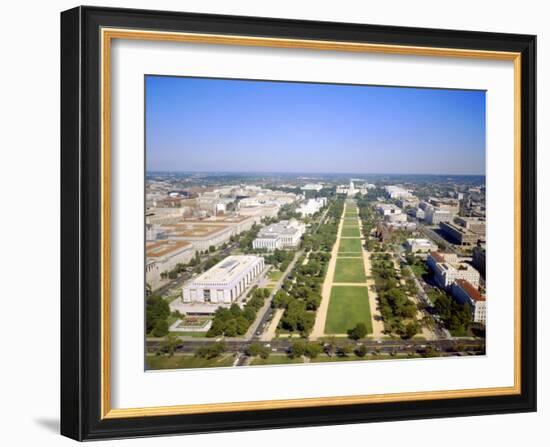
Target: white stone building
(397, 192)
(464, 292)
(420, 245)
(312, 187)
(225, 282)
(284, 234)
(311, 206)
(447, 269)
(388, 209)
(434, 216)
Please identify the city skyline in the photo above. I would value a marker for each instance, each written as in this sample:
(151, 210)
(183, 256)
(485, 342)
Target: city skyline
(239, 126)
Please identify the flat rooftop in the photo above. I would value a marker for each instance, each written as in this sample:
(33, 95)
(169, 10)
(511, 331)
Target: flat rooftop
(158, 249)
(457, 228)
(193, 230)
(420, 241)
(228, 269)
(218, 220)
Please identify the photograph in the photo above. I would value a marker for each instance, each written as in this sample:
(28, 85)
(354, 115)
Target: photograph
(294, 223)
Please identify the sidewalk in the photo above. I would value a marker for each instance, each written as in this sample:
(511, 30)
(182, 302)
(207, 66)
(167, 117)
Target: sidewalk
(322, 310)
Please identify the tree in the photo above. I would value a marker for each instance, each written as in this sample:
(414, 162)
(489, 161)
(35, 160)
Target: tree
(231, 328)
(160, 329)
(361, 351)
(210, 351)
(411, 329)
(343, 350)
(312, 350)
(212, 249)
(358, 332)
(156, 309)
(170, 344)
(330, 346)
(257, 349)
(297, 349)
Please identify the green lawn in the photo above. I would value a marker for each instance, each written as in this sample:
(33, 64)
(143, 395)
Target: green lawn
(351, 232)
(275, 360)
(190, 334)
(326, 359)
(348, 306)
(350, 245)
(350, 255)
(186, 361)
(419, 269)
(275, 275)
(351, 222)
(349, 270)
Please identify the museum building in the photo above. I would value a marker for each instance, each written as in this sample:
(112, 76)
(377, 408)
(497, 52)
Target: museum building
(225, 282)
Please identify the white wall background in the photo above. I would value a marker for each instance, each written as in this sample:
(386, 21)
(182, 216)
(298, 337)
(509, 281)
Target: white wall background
(29, 223)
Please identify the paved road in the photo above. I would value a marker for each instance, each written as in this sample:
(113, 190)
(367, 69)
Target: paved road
(439, 331)
(389, 345)
(322, 310)
(265, 312)
(260, 324)
(431, 234)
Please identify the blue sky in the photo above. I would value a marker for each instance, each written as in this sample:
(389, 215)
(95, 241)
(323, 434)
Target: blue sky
(197, 124)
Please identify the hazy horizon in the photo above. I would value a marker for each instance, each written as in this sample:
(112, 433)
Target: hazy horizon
(163, 171)
(239, 126)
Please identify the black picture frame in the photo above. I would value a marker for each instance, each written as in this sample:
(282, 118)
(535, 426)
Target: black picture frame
(81, 224)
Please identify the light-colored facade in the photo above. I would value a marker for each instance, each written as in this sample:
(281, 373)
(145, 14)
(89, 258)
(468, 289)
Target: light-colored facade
(312, 187)
(449, 204)
(447, 269)
(418, 213)
(162, 256)
(397, 192)
(400, 217)
(407, 226)
(284, 234)
(202, 236)
(420, 245)
(474, 224)
(408, 202)
(311, 206)
(225, 282)
(459, 235)
(388, 209)
(260, 211)
(464, 292)
(435, 216)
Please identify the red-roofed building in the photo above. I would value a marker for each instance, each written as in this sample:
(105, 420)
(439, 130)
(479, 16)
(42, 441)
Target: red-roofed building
(464, 292)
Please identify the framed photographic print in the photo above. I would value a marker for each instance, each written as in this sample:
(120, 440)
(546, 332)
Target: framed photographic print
(277, 223)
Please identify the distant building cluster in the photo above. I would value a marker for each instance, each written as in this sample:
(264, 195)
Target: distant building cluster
(312, 187)
(394, 219)
(352, 188)
(182, 222)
